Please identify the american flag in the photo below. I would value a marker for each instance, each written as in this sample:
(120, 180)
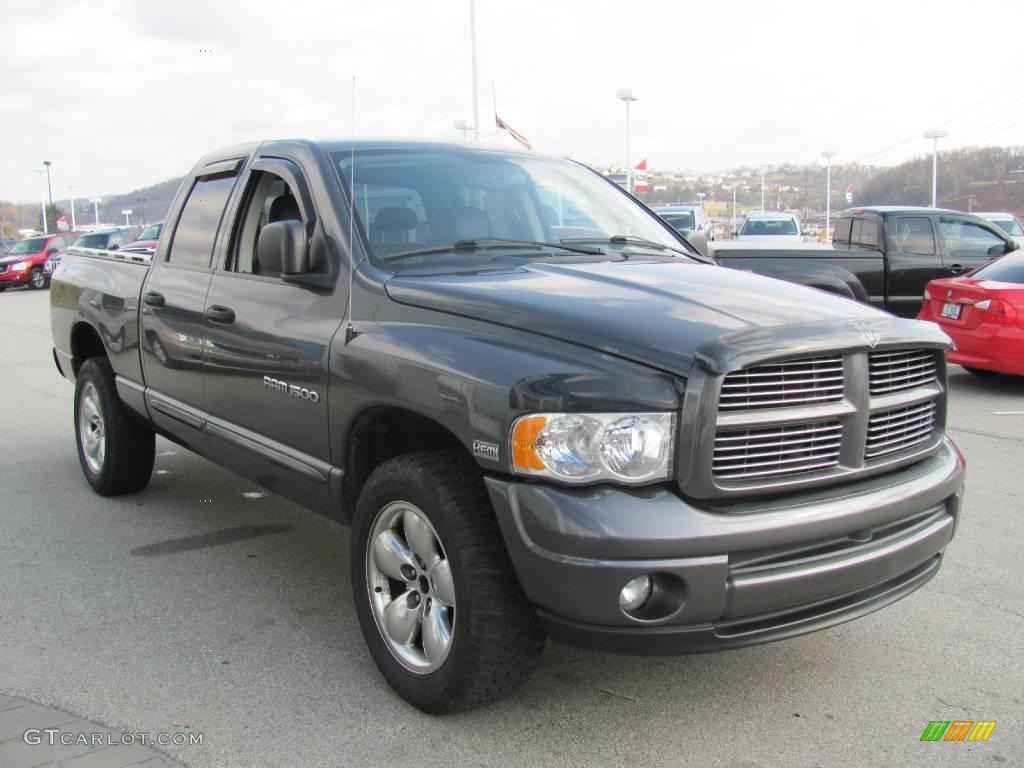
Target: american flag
(502, 125)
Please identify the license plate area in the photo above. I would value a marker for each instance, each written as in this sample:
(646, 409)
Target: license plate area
(951, 310)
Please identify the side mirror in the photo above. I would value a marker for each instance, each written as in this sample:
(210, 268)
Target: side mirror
(698, 241)
(115, 247)
(282, 248)
(999, 249)
(52, 251)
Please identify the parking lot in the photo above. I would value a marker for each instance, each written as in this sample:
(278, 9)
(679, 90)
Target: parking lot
(204, 602)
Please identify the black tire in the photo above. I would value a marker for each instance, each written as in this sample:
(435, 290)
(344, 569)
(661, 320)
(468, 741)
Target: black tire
(36, 280)
(496, 639)
(981, 373)
(129, 448)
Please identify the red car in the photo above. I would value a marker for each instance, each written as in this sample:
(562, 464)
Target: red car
(23, 264)
(147, 241)
(984, 315)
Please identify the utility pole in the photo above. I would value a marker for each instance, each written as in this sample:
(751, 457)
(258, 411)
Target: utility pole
(935, 135)
(762, 188)
(71, 200)
(96, 208)
(42, 202)
(828, 154)
(733, 227)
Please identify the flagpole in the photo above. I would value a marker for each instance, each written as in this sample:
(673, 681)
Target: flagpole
(494, 101)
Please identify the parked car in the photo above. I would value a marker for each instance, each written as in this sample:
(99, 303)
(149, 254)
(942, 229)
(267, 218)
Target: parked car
(983, 313)
(604, 438)
(882, 256)
(109, 239)
(1007, 222)
(687, 218)
(775, 227)
(147, 241)
(23, 264)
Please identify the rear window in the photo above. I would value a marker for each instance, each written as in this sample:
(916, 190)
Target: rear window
(841, 234)
(1009, 226)
(1009, 269)
(867, 237)
(769, 227)
(92, 241)
(196, 230)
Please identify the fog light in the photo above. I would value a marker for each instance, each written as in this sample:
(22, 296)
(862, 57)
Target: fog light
(635, 593)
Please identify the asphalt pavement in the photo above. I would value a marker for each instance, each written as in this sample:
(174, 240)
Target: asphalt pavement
(206, 605)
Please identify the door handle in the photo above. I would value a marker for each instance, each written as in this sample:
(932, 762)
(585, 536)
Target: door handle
(218, 314)
(956, 269)
(154, 299)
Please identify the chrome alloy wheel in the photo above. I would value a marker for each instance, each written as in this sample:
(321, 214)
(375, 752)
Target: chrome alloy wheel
(411, 591)
(91, 430)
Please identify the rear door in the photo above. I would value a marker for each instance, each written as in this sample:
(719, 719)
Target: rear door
(267, 344)
(912, 259)
(173, 302)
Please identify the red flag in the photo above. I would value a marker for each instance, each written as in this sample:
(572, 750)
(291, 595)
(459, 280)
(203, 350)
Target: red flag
(502, 125)
(642, 165)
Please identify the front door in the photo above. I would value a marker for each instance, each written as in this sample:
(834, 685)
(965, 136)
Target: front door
(913, 260)
(267, 349)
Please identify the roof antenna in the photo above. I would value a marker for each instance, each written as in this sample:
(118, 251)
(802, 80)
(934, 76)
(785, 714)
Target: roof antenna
(350, 333)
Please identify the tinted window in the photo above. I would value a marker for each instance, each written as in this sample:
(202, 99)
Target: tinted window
(1009, 269)
(841, 234)
(914, 235)
(151, 233)
(92, 241)
(683, 222)
(868, 235)
(197, 228)
(965, 239)
(769, 227)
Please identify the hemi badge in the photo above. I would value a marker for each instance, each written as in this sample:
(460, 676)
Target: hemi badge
(485, 450)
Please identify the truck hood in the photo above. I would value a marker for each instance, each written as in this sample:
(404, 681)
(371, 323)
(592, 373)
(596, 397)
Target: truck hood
(665, 314)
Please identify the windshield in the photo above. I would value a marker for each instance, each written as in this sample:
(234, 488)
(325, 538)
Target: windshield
(769, 227)
(151, 232)
(1008, 269)
(681, 221)
(33, 245)
(409, 200)
(1009, 226)
(92, 241)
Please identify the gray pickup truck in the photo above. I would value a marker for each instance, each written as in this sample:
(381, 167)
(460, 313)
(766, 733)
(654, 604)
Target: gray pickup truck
(535, 426)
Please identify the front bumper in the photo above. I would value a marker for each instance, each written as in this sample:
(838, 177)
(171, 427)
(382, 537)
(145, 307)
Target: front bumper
(735, 575)
(11, 278)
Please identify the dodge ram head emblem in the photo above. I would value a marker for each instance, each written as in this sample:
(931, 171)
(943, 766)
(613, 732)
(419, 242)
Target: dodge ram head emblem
(869, 334)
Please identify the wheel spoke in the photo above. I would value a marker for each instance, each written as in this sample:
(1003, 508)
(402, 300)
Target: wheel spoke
(437, 633)
(420, 537)
(390, 553)
(442, 583)
(401, 618)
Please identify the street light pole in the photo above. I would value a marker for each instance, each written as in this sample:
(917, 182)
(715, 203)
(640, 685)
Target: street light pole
(762, 188)
(733, 227)
(935, 135)
(460, 125)
(627, 95)
(828, 154)
(42, 202)
(96, 208)
(476, 90)
(49, 188)
(71, 200)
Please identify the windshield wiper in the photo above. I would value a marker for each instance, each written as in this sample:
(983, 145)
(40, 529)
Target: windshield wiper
(479, 244)
(630, 240)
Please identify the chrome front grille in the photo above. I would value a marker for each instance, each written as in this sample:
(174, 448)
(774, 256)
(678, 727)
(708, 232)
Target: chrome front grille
(792, 382)
(776, 451)
(814, 420)
(900, 370)
(899, 429)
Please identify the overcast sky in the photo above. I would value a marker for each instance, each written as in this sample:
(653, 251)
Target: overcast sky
(119, 94)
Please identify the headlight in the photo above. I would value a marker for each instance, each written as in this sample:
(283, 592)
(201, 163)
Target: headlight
(20, 266)
(626, 448)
